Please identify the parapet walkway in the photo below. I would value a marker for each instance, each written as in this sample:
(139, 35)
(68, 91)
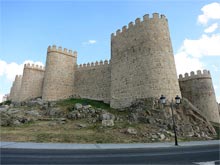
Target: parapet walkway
(74, 146)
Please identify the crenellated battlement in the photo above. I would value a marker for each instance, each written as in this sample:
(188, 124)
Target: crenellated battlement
(18, 77)
(192, 75)
(146, 19)
(35, 67)
(62, 51)
(94, 65)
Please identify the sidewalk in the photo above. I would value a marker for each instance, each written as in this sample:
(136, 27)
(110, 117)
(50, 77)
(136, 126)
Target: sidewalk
(29, 145)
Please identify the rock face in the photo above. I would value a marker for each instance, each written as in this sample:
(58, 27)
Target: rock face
(156, 121)
(189, 122)
(131, 131)
(108, 123)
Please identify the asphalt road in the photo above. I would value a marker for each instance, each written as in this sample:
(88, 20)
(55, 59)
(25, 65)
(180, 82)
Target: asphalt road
(172, 155)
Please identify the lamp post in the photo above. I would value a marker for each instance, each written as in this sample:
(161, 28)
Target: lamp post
(163, 101)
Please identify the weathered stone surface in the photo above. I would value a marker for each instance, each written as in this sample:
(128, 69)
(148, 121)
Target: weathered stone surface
(33, 113)
(78, 106)
(131, 131)
(108, 123)
(80, 125)
(107, 116)
(56, 112)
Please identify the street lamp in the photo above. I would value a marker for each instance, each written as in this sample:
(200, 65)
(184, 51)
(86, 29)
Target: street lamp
(178, 100)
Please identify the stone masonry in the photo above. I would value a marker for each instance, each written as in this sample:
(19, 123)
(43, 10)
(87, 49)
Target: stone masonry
(142, 62)
(15, 89)
(32, 82)
(198, 89)
(142, 66)
(59, 74)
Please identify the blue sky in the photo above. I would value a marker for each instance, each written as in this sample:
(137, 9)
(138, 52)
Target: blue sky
(27, 28)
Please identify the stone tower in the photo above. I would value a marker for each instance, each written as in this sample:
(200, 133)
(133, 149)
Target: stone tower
(32, 82)
(142, 62)
(198, 89)
(59, 73)
(15, 89)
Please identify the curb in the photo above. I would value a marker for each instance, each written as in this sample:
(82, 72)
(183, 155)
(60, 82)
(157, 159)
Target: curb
(74, 146)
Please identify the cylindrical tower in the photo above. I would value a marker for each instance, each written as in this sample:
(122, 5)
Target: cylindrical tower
(142, 62)
(15, 89)
(198, 89)
(32, 82)
(59, 74)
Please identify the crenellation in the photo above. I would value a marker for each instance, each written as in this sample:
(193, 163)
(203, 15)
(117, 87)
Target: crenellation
(34, 67)
(74, 53)
(155, 16)
(61, 51)
(162, 16)
(180, 76)
(206, 72)
(112, 35)
(137, 21)
(146, 17)
(130, 25)
(94, 65)
(199, 74)
(124, 28)
(106, 62)
(118, 32)
(139, 54)
(192, 73)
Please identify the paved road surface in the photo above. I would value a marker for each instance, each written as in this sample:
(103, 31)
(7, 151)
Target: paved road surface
(202, 155)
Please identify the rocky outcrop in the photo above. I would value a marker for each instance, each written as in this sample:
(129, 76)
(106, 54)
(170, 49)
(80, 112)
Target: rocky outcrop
(156, 120)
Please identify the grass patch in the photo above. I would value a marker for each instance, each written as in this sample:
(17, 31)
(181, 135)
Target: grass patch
(217, 129)
(93, 103)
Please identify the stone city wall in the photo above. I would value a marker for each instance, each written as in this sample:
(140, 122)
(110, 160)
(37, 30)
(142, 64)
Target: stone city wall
(59, 73)
(32, 82)
(198, 89)
(142, 62)
(15, 89)
(92, 81)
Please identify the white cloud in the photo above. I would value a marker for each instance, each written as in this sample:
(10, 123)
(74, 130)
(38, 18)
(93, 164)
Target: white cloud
(204, 46)
(90, 42)
(210, 11)
(1, 97)
(218, 99)
(216, 68)
(186, 63)
(10, 70)
(211, 28)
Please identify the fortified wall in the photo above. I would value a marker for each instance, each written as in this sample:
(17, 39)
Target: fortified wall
(93, 80)
(15, 89)
(198, 89)
(142, 62)
(59, 75)
(32, 82)
(142, 65)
